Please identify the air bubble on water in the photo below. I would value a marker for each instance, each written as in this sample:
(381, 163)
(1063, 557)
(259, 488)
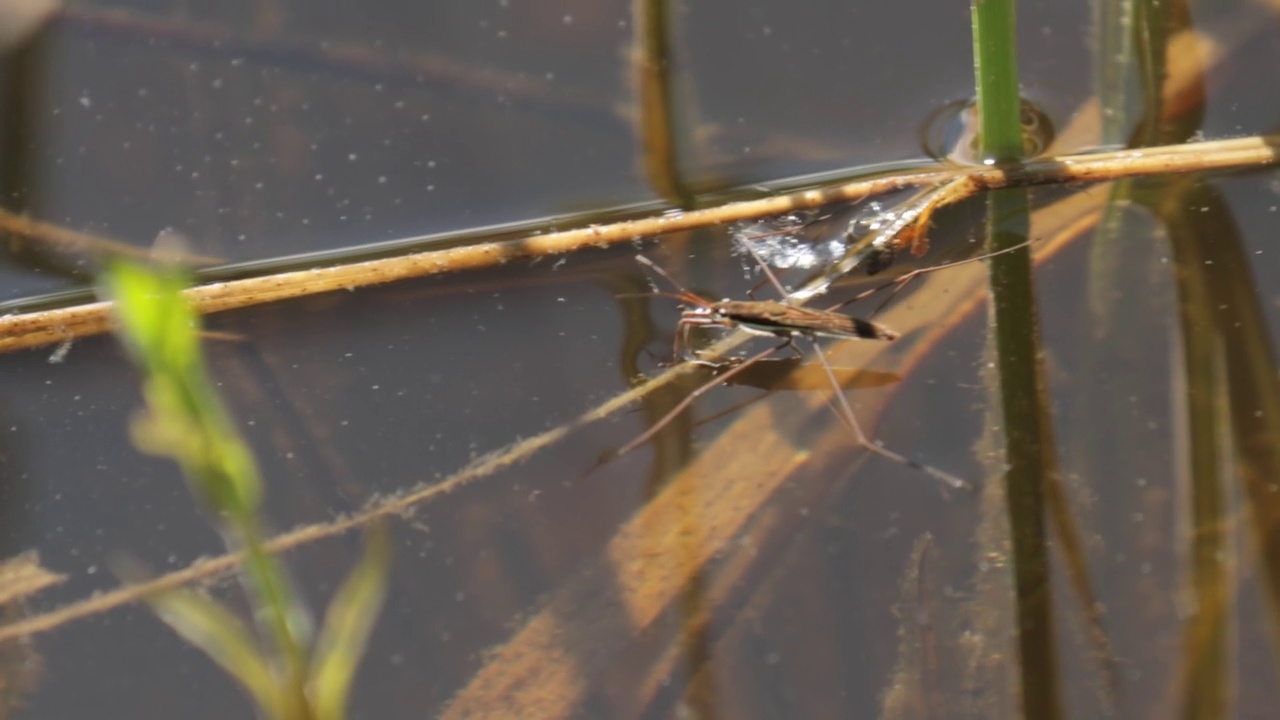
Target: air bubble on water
(783, 241)
(800, 240)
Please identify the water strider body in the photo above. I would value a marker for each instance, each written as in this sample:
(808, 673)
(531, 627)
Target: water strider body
(771, 317)
(785, 320)
(764, 317)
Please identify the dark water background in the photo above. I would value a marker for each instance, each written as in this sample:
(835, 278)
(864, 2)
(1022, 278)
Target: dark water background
(260, 130)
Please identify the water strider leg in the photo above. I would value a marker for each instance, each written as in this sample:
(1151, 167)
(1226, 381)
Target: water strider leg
(898, 283)
(862, 440)
(694, 395)
(842, 402)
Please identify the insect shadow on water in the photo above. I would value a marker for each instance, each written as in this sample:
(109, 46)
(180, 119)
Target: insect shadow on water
(785, 320)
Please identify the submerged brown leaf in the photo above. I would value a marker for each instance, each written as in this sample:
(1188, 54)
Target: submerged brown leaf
(21, 576)
(20, 667)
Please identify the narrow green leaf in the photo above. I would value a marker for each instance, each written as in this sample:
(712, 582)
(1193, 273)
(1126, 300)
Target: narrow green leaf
(204, 623)
(347, 625)
(279, 611)
(155, 322)
(187, 420)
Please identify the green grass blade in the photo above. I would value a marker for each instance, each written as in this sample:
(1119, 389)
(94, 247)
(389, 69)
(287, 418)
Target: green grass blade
(278, 608)
(995, 62)
(186, 420)
(206, 624)
(347, 626)
(158, 332)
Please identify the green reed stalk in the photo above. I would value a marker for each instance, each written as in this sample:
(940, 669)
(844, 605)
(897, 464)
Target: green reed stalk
(1029, 452)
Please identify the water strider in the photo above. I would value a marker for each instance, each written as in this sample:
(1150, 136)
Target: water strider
(763, 317)
(785, 320)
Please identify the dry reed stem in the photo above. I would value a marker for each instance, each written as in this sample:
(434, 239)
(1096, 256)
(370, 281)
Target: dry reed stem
(74, 241)
(51, 326)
